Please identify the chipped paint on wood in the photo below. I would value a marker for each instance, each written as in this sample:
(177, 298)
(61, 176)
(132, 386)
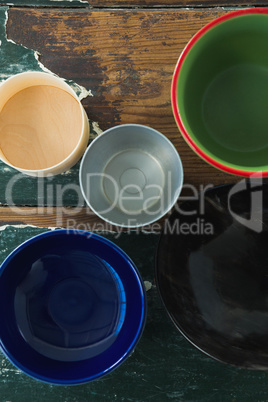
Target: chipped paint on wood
(77, 218)
(148, 285)
(71, 1)
(94, 130)
(81, 91)
(113, 52)
(38, 66)
(17, 58)
(49, 3)
(20, 226)
(14, 59)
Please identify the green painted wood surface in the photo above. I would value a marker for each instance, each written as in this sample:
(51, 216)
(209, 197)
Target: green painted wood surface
(163, 367)
(19, 189)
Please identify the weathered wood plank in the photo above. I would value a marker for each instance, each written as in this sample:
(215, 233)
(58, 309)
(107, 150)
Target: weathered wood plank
(79, 218)
(126, 58)
(133, 3)
(177, 3)
(45, 3)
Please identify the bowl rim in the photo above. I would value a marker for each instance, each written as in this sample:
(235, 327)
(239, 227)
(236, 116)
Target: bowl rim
(222, 189)
(110, 131)
(174, 101)
(138, 331)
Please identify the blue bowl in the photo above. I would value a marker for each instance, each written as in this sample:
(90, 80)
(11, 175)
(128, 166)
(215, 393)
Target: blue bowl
(72, 307)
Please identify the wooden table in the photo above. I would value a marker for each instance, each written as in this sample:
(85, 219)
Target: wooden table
(119, 55)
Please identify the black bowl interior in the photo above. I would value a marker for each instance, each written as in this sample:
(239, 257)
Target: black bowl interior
(211, 272)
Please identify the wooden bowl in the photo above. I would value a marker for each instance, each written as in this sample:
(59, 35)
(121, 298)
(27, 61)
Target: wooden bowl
(43, 126)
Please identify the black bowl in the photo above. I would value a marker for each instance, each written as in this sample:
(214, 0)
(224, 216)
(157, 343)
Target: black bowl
(212, 273)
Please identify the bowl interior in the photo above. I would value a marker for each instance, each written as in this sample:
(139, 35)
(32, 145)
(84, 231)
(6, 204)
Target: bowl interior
(222, 92)
(131, 175)
(42, 122)
(212, 276)
(68, 305)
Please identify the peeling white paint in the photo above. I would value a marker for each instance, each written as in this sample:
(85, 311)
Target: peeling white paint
(97, 128)
(4, 77)
(70, 1)
(66, 173)
(21, 226)
(8, 40)
(41, 65)
(94, 130)
(85, 93)
(11, 40)
(4, 227)
(81, 91)
(148, 285)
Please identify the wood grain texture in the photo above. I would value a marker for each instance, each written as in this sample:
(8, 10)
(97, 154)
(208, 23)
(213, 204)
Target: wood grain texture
(49, 216)
(126, 58)
(78, 218)
(133, 3)
(176, 3)
(45, 3)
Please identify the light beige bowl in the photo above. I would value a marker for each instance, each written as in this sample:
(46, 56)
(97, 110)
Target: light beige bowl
(44, 129)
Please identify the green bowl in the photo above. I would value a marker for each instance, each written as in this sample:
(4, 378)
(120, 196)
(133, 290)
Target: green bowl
(220, 92)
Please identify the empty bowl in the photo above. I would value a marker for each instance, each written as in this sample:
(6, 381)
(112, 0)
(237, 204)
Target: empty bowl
(44, 129)
(131, 175)
(72, 307)
(211, 271)
(220, 92)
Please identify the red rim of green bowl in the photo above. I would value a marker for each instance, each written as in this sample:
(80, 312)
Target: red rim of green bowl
(174, 100)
